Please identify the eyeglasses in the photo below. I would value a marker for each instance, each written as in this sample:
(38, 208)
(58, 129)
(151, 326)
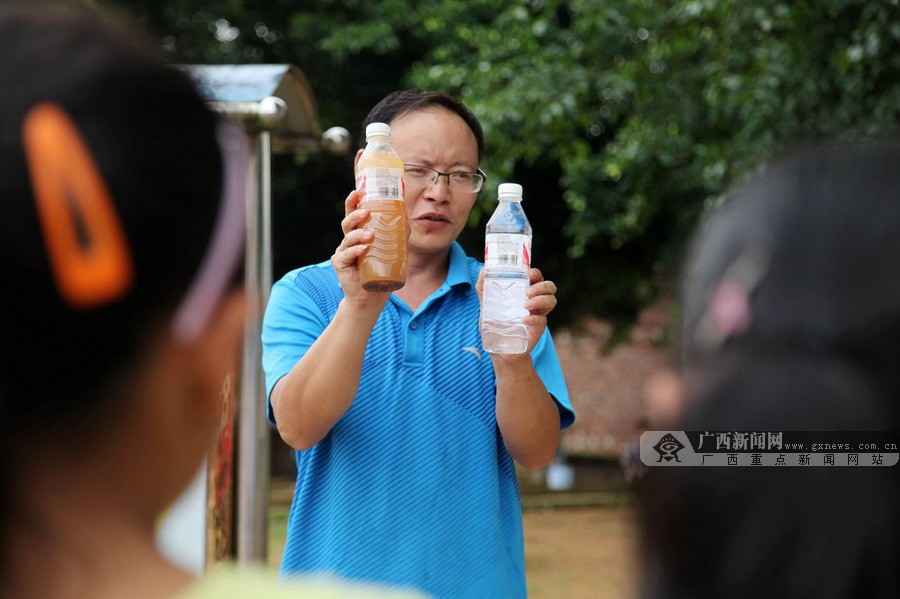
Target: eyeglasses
(422, 176)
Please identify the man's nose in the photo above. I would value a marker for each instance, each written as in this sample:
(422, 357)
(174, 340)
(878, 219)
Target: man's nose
(439, 191)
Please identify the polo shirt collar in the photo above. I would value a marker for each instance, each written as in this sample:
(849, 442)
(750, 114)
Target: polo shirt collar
(458, 272)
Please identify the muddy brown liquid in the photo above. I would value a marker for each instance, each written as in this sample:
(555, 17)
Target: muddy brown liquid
(383, 266)
(379, 175)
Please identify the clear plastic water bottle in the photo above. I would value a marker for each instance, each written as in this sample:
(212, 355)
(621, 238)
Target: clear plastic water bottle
(507, 262)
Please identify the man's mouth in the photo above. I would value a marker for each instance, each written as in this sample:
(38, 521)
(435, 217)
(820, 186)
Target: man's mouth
(433, 217)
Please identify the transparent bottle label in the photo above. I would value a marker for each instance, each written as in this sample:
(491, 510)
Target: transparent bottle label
(504, 300)
(380, 183)
(502, 329)
(507, 250)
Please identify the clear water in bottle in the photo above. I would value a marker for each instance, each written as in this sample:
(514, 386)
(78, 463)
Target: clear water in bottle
(507, 262)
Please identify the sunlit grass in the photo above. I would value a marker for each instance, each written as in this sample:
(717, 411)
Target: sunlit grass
(278, 515)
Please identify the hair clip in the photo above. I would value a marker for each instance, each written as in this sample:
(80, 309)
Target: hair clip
(728, 311)
(86, 245)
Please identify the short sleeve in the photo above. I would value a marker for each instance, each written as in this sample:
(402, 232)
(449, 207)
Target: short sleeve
(292, 323)
(547, 366)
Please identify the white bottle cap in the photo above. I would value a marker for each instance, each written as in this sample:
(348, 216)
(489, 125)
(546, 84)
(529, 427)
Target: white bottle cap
(509, 191)
(377, 129)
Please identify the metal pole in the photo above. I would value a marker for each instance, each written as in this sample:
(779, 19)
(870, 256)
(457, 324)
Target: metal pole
(265, 188)
(253, 447)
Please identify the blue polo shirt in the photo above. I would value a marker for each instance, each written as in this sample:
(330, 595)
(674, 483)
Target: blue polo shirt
(413, 486)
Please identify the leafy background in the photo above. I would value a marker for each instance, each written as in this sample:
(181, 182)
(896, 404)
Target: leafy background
(624, 119)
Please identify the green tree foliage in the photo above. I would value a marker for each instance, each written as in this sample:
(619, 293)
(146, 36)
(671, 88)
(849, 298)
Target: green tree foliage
(622, 119)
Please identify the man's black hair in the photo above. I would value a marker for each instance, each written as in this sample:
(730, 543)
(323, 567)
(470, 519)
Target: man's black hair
(399, 103)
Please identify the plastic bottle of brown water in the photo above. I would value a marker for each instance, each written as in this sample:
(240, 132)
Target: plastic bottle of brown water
(379, 180)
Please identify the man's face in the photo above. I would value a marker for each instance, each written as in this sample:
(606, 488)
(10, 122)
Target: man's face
(436, 138)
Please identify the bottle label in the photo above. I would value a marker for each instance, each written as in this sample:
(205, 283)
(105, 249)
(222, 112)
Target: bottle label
(507, 250)
(380, 183)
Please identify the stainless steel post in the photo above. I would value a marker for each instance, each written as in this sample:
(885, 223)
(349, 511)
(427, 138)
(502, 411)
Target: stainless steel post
(265, 189)
(253, 448)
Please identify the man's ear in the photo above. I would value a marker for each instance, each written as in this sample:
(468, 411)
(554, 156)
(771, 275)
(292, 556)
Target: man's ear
(359, 154)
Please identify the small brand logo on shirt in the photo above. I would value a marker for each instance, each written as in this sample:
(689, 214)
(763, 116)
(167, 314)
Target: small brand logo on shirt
(474, 350)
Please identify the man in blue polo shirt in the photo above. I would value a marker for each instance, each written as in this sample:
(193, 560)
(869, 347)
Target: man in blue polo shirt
(405, 429)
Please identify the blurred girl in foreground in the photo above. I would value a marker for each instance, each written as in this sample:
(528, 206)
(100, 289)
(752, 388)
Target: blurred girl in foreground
(121, 224)
(791, 304)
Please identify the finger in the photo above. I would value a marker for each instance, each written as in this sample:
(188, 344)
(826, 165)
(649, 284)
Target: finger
(535, 276)
(541, 305)
(354, 220)
(346, 257)
(356, 237)
(542, 288)
(479, 286)
(536, 320)
(351, 203)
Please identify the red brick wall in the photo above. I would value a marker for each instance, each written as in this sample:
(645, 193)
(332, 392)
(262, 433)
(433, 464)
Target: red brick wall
(606, 389)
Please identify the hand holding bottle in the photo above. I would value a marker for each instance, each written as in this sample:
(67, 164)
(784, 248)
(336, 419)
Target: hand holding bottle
(541, 299)
(345, 258)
